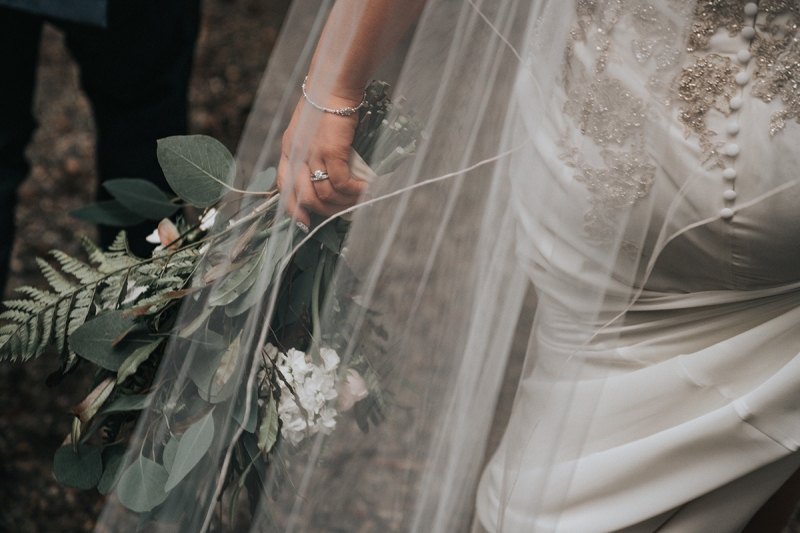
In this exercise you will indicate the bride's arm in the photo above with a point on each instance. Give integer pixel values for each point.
(381, 24)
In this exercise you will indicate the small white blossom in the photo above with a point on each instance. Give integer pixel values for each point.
(330, 359)
(207, 222)
(153, 238)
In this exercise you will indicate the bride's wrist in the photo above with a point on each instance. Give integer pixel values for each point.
(341, 100)
(342, 103)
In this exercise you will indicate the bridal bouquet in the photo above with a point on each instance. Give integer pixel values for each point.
(117, 312)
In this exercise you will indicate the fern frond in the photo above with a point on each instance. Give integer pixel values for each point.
(83, 272)
(96, 256)
(62, 316)
(115, 259)
(120, 244)
(13, 315)
(81, 290)
(28, 306)
(54, 278)
(39, 296)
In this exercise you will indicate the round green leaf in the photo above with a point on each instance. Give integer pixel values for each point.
(141, 197)
(109, 339)
(81, 470)
(198, 168)
(141, 486)
(192, 447)
(109, 213)
(112, 468)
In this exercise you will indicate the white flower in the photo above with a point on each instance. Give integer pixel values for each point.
(207, 222)
(314, 388)
(326, 422)
(353, 389)
(330, 359)
(167, 233)
(153, 238)
(295, 362)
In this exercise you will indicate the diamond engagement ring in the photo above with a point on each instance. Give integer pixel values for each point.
(319, 175)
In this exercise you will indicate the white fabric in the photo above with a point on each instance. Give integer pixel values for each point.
(692, 402)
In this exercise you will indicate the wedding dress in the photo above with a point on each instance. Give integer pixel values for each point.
(635, 160)
(693, 395)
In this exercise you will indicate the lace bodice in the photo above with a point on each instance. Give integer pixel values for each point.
(670, 125)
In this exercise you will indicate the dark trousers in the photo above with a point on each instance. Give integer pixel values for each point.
(135, 73)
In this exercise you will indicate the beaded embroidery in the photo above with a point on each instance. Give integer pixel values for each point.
(707, 84)
(776, 49)
(711, 15)
(626, 179)
(605, 110)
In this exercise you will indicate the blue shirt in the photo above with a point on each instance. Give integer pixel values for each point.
(84, 11)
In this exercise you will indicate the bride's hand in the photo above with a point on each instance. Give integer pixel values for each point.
(329, 151)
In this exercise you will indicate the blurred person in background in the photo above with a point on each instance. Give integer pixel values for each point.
(135, 59)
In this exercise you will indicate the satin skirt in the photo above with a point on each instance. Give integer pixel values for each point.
(684, 418)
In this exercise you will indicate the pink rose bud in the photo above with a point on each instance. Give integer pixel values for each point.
(168, 233)
(351, 390)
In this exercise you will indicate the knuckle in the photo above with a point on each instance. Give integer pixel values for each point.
(325, 195)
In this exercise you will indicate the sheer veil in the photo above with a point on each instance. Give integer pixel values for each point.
(440, 257)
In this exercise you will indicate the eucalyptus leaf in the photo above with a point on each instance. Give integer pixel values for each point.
(141, 486)
(112, 468)
(307, 256)
(109, 213)
(134, 402)
(170, 451)
(195, 324)
(193, 446)
(130, 365)
(141, 197)
(268, 429)
(239, 280)
(239, 411)
(264, 277)
(250, 444)
(86, 410)
(98, 340)
(198, 168)
(211, 368)
(329, 238)
(228, 363)
(81, 470)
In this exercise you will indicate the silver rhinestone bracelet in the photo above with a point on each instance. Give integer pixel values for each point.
(343, 112)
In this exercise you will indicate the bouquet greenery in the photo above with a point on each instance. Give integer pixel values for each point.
(117, 312)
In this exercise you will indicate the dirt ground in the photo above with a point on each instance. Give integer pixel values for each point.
(234, 45)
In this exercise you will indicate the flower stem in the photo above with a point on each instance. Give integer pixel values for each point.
(316, 328)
